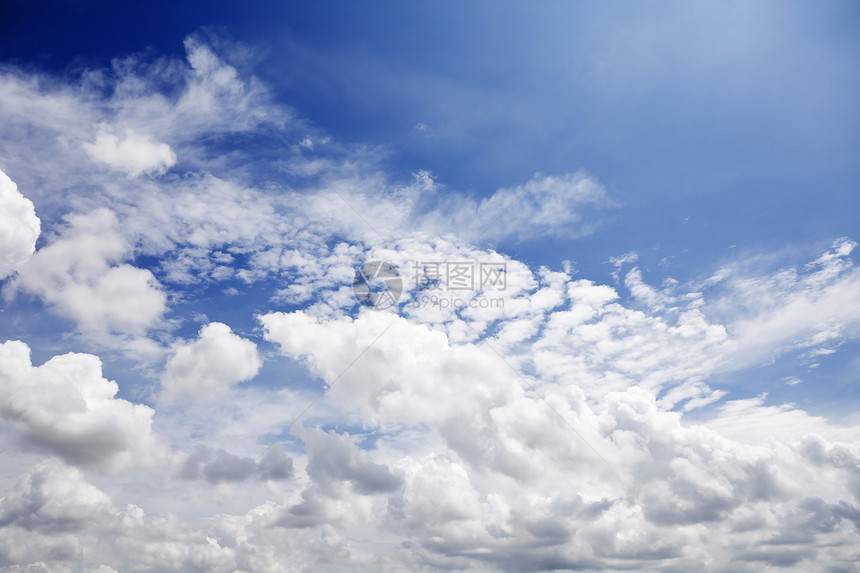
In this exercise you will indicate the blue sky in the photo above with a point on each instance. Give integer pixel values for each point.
(721, 133)
(187, 189)
(701, 112)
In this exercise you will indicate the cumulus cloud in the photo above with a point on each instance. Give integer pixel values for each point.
(19, 227)
(275, 465)
(464, 497)
(145, 112)
(66, 406)
(200, 369)
(345, 485)
(440, 374)
(54, 519)
(54, 498)
(82, 276)
(227, 467)
(134, 154)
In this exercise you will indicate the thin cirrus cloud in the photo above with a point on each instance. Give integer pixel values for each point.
(576, 426)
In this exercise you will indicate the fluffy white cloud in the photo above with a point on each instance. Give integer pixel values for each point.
(201, 369)
(81, 275)
(19, 227)
(563, 206)
(66, 407)
(54, 496)
(440, 375)
(134, 154)
(763, 309)
(153, 112)
(671, 491)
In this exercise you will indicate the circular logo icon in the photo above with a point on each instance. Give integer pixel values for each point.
(377, 285)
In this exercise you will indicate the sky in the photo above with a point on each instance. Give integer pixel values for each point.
(452, 286)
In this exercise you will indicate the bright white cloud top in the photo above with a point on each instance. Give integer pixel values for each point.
(82, 275)
(19, 227)
(250, 416)
(132, 153)
(211, 364)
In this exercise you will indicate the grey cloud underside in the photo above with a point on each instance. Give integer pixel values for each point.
(223, 466)
(333, 458)
(66, 407)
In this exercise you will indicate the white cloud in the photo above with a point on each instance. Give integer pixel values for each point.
(19, 227)
(54, 520)
(53, 495)
(439, 374)
(203, 368)
(133, 154)
(625, 259)
(159, 110)
(750, 420)
(672, 491)
(66, 407)
(563, 206)
(135, 118)
(769, 314)
(81, 275)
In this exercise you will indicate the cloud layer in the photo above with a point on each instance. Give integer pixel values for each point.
(574, 425)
